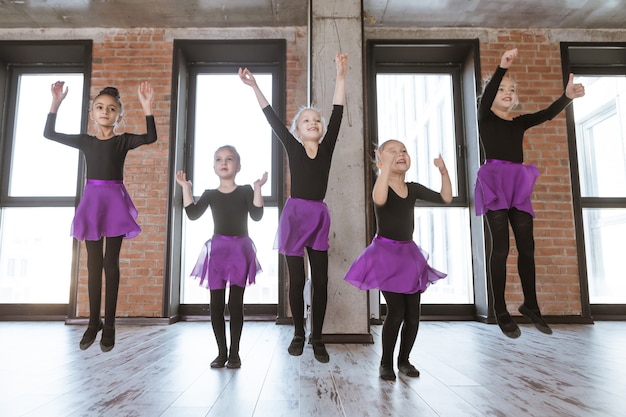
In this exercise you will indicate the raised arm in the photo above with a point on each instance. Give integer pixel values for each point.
(491, 89)
(58, 95)
(446, 185)
(248, 79)
(146, 95)
(341, 60)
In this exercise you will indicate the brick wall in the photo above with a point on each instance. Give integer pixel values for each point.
(125, 57)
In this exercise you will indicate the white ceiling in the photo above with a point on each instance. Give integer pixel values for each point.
(587, 14)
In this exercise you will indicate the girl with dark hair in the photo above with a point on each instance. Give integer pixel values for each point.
(106, 213)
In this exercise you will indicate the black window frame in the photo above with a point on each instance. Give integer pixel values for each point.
(40, 57)
(193, 57)
(460, 59)
(590, 58)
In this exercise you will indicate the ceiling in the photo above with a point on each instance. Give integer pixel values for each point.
(582, 14)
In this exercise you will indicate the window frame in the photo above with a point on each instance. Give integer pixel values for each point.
(590, 58)
(192, 57)
(460, 59)
(40, 57)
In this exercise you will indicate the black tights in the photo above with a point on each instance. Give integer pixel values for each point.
(99, 258)
(235, 307)
(402, 310)
(522, 225)
(319, 290)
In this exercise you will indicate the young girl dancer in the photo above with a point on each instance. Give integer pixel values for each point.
(105, 210)
(229, 257)
(305, 220)
(393, 263)
(504, 187)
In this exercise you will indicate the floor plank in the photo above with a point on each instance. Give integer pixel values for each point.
(467, 369)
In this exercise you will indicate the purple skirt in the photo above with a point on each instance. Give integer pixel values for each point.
(392, 265)
(504, 185)
(106, 209)
(225, 261)
(303, 223)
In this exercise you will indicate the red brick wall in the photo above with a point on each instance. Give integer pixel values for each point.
(124, 58)
(537, 71)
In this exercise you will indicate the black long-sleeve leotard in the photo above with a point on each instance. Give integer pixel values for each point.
(309, 176)
(502, 139)
(395, 219)
(230, 210)
(104, 158)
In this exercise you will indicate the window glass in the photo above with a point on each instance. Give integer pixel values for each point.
(41, 167)
(418, 110)
(35, 255)
(601, 147)
(601, 136)
(604, 236)
(224, 118)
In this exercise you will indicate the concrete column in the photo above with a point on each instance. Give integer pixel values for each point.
(337, 26)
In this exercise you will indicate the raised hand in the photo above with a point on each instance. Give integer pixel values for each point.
(261, 181)
(146, 95)
(181, 179)
(58, 95)
(440, 164)
(572, 90)
(341, 60)
(246, 76)
(507, 58)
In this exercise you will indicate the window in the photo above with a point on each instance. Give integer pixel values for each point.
(233, 119)
(597, 138)
(39, 179)
(418, 99)
(215, 108)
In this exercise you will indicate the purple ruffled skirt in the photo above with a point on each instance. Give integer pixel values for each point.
(391, 265)
(106, 209)
(303, 223)
(504, 185)
(225, 261)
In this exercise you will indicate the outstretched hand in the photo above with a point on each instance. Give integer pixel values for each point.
(181, 179)
(146, 95)
(58, 93)
(261, 181)
(246, 76)
(507, 58)
(441, 165)
(341, 60)
(145, 92)
(572, 90)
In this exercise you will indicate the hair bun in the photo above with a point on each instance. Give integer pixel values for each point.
(111, 91)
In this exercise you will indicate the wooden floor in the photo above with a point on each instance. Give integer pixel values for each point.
(467, 369)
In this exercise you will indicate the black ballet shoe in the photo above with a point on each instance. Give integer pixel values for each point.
(234, 362)
(386, 372)
(535, 317)
(90, 335)
(219, 362)
(407, 369)
(296, 347)
(319, 351)
(508, 326)
(108, 338)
